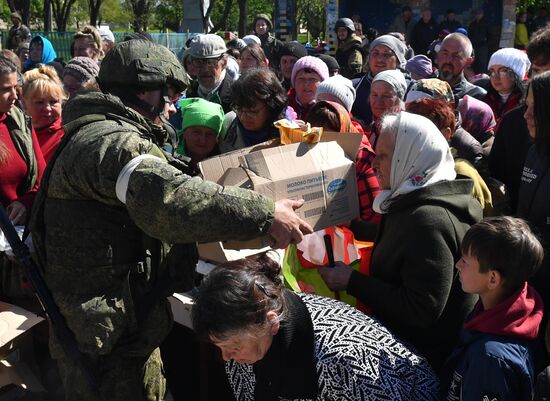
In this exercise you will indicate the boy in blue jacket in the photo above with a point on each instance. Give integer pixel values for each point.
(495, 357)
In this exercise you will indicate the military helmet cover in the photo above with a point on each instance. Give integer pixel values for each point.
(140, 64)
(264, 17)
(345, 23)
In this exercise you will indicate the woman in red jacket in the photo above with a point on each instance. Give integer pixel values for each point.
(21, 167)
(43, 96)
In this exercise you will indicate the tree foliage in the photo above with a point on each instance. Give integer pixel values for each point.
(168, 15)
(311, 15)
(113, 12)
(522, 5)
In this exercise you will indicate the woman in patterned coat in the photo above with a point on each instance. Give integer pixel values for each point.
(279, 345)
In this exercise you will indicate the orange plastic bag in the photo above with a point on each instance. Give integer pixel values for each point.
(300, 263)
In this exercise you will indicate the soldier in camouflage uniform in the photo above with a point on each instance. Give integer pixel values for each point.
(116, 221)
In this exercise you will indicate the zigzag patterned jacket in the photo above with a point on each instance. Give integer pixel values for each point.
(327, 350)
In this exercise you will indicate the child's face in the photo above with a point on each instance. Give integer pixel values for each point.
(473, 281)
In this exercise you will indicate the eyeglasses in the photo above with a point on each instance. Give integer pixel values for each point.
(503, 72)
(310, 81)
(383, 55)
(247, 112)
(203, 62)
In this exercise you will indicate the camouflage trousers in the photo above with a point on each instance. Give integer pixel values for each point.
(120, 378)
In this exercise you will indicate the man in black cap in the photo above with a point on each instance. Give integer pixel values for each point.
(289, 53)
(332, 64)
(271, 46)
(18, 33)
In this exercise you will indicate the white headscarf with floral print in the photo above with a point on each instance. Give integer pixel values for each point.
(421, 157)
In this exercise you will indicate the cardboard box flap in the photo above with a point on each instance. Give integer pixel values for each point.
(236, 177)
(14, 321)
(213, 169)
(295, 160)
(349, 141)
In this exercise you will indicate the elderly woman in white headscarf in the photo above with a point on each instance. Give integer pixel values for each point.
(412, 286)
(386, 96)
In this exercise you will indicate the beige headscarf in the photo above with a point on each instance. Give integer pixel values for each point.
(421, 157)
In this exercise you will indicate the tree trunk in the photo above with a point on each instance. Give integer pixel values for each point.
(94, 6)
(141, 10)
(47, 15)
(221, 23)
(243, 16)
(62, 11)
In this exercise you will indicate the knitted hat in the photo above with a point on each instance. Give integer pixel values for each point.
(249, 39)
(207, 46)
(339, 86)
(293, 48)
(395, 78)
(312, 63)
(431, 88)
(199, 112)
(331, 62)
(420, 65)
(81, 68)
(514, 59)
(392, 43)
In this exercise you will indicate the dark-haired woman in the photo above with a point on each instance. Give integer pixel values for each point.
(258, 100)
(252, 56)
(281, 345)
(534, 190)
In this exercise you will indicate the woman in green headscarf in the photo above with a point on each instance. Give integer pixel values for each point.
(201, 125)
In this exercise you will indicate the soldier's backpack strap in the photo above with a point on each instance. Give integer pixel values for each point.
(36, 222)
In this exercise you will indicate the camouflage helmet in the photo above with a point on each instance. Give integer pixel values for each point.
(139, 65)
(344, 23)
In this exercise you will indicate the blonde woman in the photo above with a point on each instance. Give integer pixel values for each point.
(88, 43)
(43, 96)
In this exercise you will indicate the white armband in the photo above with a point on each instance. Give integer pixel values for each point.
(124, 176)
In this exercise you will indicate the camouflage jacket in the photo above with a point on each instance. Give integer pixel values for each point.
(104, 260)
(350, 56)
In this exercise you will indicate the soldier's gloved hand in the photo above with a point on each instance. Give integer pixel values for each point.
(287, 227)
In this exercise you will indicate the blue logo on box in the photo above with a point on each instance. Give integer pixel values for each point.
(336, 185)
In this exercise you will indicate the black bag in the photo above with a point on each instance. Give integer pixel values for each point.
(542, 386)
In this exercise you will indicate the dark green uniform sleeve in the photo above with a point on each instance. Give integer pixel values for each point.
(172, 206)
(164, 202)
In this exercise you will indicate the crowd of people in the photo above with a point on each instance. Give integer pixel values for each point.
(100, 158)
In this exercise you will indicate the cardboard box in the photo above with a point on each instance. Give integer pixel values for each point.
(322, 174)
(15, 326)
(182, 305)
